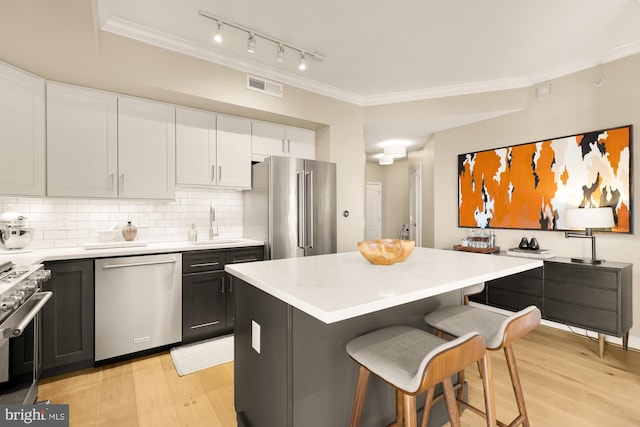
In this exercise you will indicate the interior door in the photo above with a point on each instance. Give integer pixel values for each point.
(373, 213)
(415, 205)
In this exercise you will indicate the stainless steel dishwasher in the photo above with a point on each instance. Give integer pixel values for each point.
(138, 303)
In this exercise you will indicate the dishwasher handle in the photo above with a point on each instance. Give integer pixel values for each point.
(139, 264)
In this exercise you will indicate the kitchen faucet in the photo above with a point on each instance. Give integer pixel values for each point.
(212, 219)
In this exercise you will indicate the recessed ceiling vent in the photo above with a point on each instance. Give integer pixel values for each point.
(263, 85)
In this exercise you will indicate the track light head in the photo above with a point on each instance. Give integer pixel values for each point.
(303, 63)
(280, 54)
(251, 44)
(218, 36)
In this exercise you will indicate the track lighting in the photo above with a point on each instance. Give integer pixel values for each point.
(251, 41)
(218, 36)
(251, 44)
(280, 54)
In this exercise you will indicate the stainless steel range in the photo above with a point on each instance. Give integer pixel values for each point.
(21, 300)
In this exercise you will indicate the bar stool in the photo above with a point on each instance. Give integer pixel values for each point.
(413, 361)
(472, 290)
(498, 331)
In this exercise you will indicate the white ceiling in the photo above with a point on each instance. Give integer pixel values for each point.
(382, 52)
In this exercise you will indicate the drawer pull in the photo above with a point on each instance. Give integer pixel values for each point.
(203, 325)
(204, 264)
(244, 260)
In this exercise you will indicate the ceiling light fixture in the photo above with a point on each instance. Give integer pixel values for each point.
(280, 54)
(385, 160)
(396, 151)
(218, 36)
(251, 43)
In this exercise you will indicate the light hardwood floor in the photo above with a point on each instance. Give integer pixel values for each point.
(565, 384)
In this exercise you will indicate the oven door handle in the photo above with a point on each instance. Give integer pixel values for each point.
(23, 320)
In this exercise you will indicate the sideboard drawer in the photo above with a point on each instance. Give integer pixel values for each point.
(595, 277)
(519, 283)
(514, 301)
(577, 293)
(581, 316)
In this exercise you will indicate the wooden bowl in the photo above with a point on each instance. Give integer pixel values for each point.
(386, 251)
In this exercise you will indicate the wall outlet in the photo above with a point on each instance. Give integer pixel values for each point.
(255, 336)
(63, 222)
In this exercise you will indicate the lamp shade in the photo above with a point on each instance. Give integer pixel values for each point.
(589, 218)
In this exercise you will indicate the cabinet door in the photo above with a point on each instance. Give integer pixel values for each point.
(267, 139)
(82, 142)
(22, 133)
(234, 152)
(300, 143)
(203, 304)
(68, 317)
(146, 149)
(195, 147)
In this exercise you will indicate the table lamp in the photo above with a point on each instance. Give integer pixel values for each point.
(588, 218)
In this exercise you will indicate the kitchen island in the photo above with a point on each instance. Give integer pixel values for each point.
(295, 316)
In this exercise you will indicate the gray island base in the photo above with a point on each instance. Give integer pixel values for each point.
(294, 318)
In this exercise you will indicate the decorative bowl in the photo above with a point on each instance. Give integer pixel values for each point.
(386, 251)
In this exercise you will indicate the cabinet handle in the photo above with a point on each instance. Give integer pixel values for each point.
(283, 145)
(219, 173)
(202, 325)
(112, 182)
(213, 173)
(288, 146)
(222, 286)
(204, 264)
(122, 182)
(237, 260)
(230, 287)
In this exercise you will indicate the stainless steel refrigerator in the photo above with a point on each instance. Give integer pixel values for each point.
(292, 207)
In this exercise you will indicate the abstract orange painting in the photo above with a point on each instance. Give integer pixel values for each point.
(529, 186)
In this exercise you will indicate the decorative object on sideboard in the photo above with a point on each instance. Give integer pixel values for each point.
(588, 218)
(129, 231)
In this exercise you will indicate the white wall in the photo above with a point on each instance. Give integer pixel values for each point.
(575, 105)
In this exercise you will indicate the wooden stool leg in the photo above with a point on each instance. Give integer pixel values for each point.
(601, 342)
(515, 382)
(428, 401)
(410, 416)
(358, 400)
(487, 385)
(625, 341)
(460, 392)
(399, 410)
(450, 401)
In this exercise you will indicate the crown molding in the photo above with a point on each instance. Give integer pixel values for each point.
(163, 40)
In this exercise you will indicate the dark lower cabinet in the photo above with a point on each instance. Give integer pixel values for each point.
(208, 297)
(594, 297)
(68, 317)
(203, 305)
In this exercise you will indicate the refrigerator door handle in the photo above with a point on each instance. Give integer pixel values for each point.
(301, 204)
(309, 211)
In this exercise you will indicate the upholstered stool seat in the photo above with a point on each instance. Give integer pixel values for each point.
(413, 361)
(498, 331)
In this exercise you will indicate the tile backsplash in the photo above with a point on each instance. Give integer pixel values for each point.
(59, 222)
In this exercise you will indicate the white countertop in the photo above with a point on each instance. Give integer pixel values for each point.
(341, 286)
(38, 256)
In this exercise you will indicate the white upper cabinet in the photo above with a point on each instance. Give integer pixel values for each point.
(212, 150)
(271, 139)
(146, 149)
(82, 142)
(22, 132)
(233, 151)
(195, 147)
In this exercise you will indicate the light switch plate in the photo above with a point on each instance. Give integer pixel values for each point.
(255, 336)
